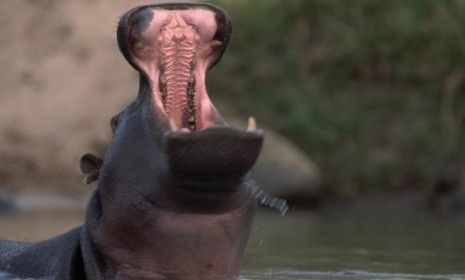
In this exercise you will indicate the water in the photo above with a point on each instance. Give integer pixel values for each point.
(307, 245)
(304, 246)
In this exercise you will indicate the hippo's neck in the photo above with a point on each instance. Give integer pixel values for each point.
(167, 245)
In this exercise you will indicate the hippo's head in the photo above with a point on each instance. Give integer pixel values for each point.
(171, 199)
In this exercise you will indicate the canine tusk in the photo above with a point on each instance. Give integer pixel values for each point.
(251, 125)
(173, 125)
(215, 43)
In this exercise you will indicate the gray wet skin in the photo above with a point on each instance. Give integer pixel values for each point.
(172, 200)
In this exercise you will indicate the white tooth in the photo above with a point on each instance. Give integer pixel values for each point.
(184, 130)
(215, 43)
(139, 45)
(252, 124)
(173, 125)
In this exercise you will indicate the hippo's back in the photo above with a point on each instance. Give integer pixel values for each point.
(9, 249)
(55, 258)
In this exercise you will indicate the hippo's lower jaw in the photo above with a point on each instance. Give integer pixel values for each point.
(212, 155)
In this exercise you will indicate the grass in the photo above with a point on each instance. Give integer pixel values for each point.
(372, 90)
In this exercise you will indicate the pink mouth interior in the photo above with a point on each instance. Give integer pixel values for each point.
(175, 50)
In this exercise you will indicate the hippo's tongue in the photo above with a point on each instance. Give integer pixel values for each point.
(174, 49)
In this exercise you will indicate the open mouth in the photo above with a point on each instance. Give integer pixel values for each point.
(174, 45)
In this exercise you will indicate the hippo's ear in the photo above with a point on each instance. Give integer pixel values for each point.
(91, 165)
(114, 121)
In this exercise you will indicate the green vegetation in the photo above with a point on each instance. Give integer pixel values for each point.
(372, 90)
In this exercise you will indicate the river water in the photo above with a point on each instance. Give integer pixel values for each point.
(316, 245)
(359, 245)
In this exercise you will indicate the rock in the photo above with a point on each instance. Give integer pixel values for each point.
(6, 203)
(447, 195)
(283, 169)
(458, 203)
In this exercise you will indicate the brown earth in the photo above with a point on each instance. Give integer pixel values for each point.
(62, 79)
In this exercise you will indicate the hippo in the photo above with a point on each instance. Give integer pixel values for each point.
(175, 197)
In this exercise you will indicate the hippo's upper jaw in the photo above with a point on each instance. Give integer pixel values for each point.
(173, 46)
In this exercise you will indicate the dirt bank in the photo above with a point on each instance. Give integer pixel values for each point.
(63, 78)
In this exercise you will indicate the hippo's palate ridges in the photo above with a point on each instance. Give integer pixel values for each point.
(174, 50)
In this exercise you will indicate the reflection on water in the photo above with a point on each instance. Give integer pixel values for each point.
(315, 245)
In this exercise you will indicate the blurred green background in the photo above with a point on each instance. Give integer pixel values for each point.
(373, 91)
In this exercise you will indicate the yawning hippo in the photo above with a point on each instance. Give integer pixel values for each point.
(175, 198)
